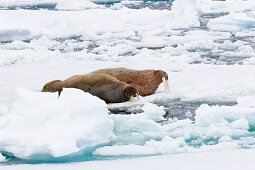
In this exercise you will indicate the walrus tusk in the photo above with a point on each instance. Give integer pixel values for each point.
(164, 81)
(137, 95)
(132, 98)
(166, 85)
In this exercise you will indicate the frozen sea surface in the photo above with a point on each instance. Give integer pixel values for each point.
(206, 47)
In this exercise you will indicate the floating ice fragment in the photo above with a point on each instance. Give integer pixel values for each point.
(166, 145)
(153, 112)
(2, 158)
(225, 139)
(185, 14)
(14, 34)
(240, 124)
(77, 5)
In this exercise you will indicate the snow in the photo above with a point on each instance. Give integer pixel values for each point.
(211, 122)
(153, 112)
(76, 5)
(42, 123)
(233, 22)
(233, 159)
(166, 145)
(37, 46)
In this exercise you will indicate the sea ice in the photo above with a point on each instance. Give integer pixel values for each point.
(165, 146)
(82, 36)
(42, 123)
(2, 158)
(222, 125)
(77, 5)
(233, 22)
(153, 112)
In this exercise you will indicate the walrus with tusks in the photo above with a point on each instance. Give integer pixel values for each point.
(146, 81)
(106, 87)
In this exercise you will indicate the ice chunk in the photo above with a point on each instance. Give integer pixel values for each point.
(166, 145)
(77, 5)
(233, 22)
(26, 3)
(2, 158)
(225, 139)
(247, 101)
(240, 124)
(199, 45)
(42, 123)
(135, 129)
(185, 14)
(153, 112)
(14, 34)
(223, 7)
(204, 117)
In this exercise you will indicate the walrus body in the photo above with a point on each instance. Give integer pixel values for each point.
(146, 81)
(103, 86)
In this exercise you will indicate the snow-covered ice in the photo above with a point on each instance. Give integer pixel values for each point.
(206, 47)
(42, 123)
(235, 160)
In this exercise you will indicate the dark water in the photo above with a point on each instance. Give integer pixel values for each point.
(48, 6)
(175, 109)
(152, 4)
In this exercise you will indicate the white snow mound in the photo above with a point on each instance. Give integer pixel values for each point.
(42, 123)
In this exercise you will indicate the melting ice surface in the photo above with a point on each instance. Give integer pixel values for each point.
(40, 127)
(206, 47)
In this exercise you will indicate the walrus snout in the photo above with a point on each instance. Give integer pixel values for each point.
(130, 92)
(162, 74)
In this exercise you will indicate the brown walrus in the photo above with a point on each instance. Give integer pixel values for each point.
(146, 81)
(106, 87)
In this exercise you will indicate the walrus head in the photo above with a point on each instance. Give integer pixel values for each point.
(164, 77)
(52, 87)
(130, 92)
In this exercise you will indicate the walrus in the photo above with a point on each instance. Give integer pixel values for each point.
(146, 81)
(106, 87)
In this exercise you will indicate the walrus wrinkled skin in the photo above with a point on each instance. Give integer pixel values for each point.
(106, 87)
(146, 81)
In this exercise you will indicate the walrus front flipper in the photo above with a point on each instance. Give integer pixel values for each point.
(59, 92)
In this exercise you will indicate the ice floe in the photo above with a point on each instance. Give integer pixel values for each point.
(42, 123)
(77, 5)
(224, 124)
